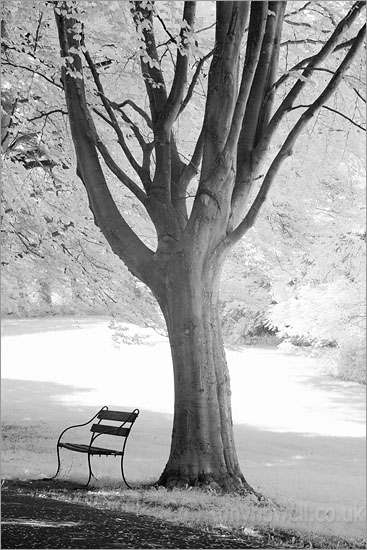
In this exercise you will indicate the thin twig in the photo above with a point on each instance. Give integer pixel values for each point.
(32, 71)
(344, 116)
(194, 81)
(48, 114)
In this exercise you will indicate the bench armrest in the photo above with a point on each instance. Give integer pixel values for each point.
(80, 425)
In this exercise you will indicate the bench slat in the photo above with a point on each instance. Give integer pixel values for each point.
(110, 430)
(80, 448)
(120, 416)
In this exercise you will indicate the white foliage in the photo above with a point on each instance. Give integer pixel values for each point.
(331, 312)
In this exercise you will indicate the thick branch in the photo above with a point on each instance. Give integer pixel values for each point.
(268, 101)
(286, 149)
(259, 101)
(330, 45)
(157, 94)
(258, 17)
(192, 168)
(175, 97)
(151, 70)
(122, 239)
(120, 136)
(223, 79)
(301, 64)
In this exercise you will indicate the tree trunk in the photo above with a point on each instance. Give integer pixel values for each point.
(45, 295)
(202, 448)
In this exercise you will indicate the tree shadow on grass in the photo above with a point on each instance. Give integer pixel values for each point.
(25, 400)
(294, 464)
(34, 414)
(18, 327)
(343, 393)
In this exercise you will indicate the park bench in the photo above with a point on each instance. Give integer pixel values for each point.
(103, 427)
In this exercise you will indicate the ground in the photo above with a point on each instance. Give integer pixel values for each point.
(299, 433)
(31, 522)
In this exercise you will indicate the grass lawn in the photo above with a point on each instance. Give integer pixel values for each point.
(314, 483)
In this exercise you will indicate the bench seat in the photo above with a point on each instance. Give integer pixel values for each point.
(80, 448)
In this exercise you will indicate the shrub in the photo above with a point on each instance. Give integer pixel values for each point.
(351, 361)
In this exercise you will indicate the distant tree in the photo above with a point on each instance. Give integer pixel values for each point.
(200, 206)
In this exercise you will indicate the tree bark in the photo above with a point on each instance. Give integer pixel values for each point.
(45, 295)
(202, 448)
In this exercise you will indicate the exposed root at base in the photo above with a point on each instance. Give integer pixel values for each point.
(235, 485)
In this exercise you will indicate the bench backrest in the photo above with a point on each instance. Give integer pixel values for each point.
(126, 420)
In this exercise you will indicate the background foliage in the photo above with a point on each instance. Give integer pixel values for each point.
(299, 275)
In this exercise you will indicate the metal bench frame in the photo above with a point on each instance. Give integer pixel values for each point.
(127, 420)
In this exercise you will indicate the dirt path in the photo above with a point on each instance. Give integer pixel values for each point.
(34, 522)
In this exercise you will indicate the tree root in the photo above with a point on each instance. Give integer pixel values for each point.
(221, 484)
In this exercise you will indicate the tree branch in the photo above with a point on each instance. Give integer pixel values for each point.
(295, 24)
(344, 116)
(173, 104)
(194, 81)
(223, 80)
(27, 246)
(115, 169)
(39, 22)
(301, 64)
(48, 114)
(286, 149)
(25, 68)
(140, 111)
(122, 239)
(192, 168)
(172, 38)
(303, 41)
(330, 45)
(333, 111)
(145, 147)
(296, 12)
(258, 17)
(157, 94)
(136, 130)
(151, 70)
(359, 95)
(107, 105)
(260, 100)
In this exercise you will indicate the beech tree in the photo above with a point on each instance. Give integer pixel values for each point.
(200, 206)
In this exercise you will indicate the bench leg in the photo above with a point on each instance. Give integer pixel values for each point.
(90, 470)
(58, 466)
(122, 472)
